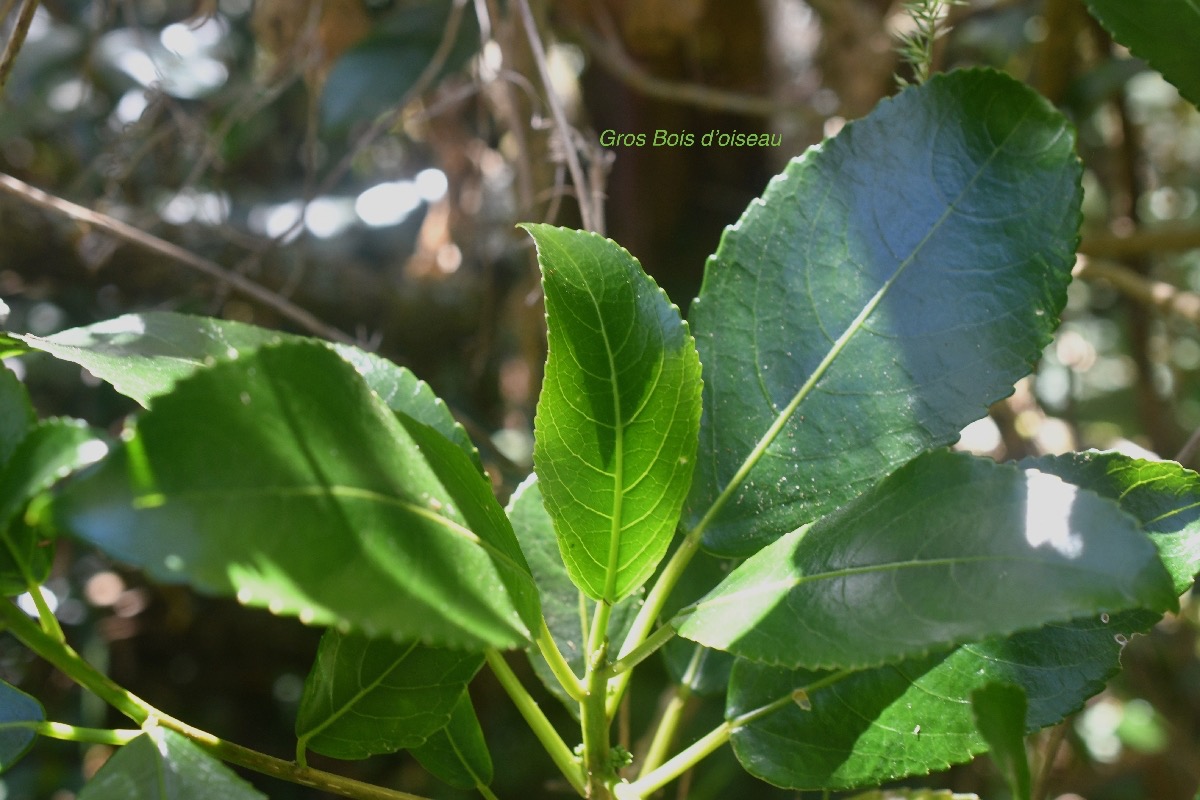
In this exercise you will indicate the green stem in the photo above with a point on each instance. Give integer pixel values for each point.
(73, 666)
(558, 664)
(681, 763)
(46, 617)
(643, 651)
(668, 721)
(563, 758)
(74, 733)
(593, 711)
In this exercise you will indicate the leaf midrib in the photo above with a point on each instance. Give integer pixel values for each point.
(783, 417)
(891, 566)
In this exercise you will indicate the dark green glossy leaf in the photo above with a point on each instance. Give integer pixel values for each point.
(458, 754)
(16, 413)
(17, 712)
(860, 723)
(1162, 495)
(1164, 32)
(283, 479)
(618, 415)
(889, 286)
(376, 74)
(50, 451)
(999, 710)
(369, 696)
(948, 549)
(567, 610)
(163, 765)
(144, 355)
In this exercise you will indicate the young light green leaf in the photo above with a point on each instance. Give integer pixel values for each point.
(369, 696)
(281, 478)
(887, 288)
(16, 413)
(619, 412)
(163, 765)
(17, 711)
(458, 754)
(567, 610)
(1163, 32)
(50, 451)
(999, 710)
(948, 549)
(144, 355)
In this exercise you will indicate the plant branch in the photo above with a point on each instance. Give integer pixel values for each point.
(74, 733)
(73, 666)
(593, 711)
(587, 213)
(563, 758)
(643, 651)
(1142, 241)
(609, 53)
(1156, 294)
(146, 241)
(676, 766)
(16, 39)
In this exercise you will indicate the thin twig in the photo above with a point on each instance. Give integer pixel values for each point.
(16, 39)
(583, 191)
(379, 127)
(146, 241)
(610, 55)
(1157, 294)
(1163, 239)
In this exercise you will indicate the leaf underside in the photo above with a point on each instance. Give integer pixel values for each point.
(458, 754)
(618, 414)
(567, 610)
(369, 696)
(17, 709)
(888, 287)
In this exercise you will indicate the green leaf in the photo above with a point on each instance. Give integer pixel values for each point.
(163, 765)
(888, 287)
(1162, 495)
(144, 355)
(619, 412)
(50, 451)
(999, 710)
(458, 754)
(283, 479)
(18, 711)
(369, 696)
(374, 75)
(913, 794)
(948, 549)
(568, 611)
(1164, 32)
(859, 723)
(16, 413)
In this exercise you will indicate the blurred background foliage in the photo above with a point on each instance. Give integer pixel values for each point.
(367, 160)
